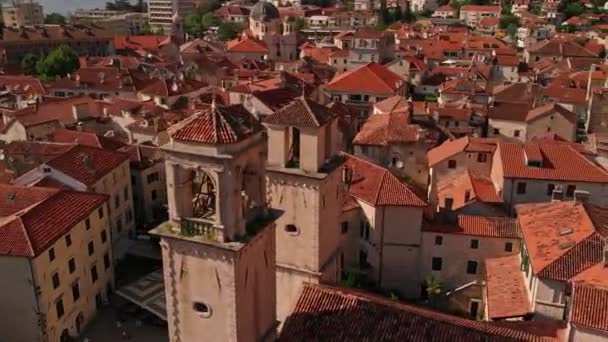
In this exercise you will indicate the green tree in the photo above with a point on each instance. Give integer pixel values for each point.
(209, 20)
(209, 6)
(300, 24)
(508, 20)
(385, 14)
(227, 31)
(396, 14)
(433, 289)
(59, 62)
(147, 30)
(408, 16)
(511, 30)
(573, 9)
(193, 25)
(28, 64)
(55, 19)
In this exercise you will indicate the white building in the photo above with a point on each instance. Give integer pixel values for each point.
(165, 14)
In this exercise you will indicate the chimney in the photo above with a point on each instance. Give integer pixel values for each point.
(581, 196)
(80, 111)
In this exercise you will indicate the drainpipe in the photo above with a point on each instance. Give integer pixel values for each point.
(380, 269)
(43, 336)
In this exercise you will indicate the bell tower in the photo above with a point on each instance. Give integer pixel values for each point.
(305, 183)
(219, 243)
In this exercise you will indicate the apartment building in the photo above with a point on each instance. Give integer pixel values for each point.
(89, 40)
(166, 15)
(126, 24)
(55, 262)
(473, 14)
(93, 15)
(86, 168)
(19, 13)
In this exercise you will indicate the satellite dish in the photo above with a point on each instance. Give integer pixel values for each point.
(399, 164)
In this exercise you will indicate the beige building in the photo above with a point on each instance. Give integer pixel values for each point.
(126, 24)
(85, 168)
(55, 262)
(166, 15)
(472, 14)
(380, 228)
(544, 170)
(564, 244)
(305, 182)
(524, 122)
(455, 255)
(219, 243)
(22, 13)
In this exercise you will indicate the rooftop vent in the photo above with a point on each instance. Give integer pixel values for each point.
(565, 231)
(567, 244)
(11, 196)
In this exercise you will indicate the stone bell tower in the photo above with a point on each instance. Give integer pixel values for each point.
(305, 183)
(219, 243)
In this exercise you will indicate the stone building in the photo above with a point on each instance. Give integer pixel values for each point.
(305, 181)
(218, 246)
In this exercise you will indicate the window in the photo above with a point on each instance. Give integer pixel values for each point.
(100, 212)
(509, 247)
(87, 224)
(51, 254)
(451, 164)
(94, 275)
(75, 291)
(68, 240)
(467, 195)
(128, 215)
(344, 227)
(59, 308)
(496, 131)
(438, 240)
(126, 193)
(481, 157)
(153, 177)
(106, 261)
(364, 229)
(516, 133)
(474, 244)
(91, 248)
(363, 259)
(474, 308)
(55, 279)
(202, 309)
(550, 188)
(118, 224)
(448, 202)
(472, 267)
(570, 190)
(291, 229)
(521, 188)
(153, 195)
(116, 201)
(104, 236)
(437, 263)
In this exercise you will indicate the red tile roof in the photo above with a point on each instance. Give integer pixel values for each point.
(395, 103)
(563, 48)
(507, 293)
(480, 8)
(147, 43)
(452, 147)
(561, 238)
(559, 162)
(371, 78)
(55, 33)
(463, 183)
(387, 129)
(324, 313)
(23, 85)
(34, 218)
(246, 45)
(87, 164)
(499, 227)
(86, 138)
(590, 307)
(377, 186)
(302, 113)
(219, 125)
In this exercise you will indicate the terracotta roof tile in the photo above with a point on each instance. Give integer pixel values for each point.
(377, 186)
(465, 187)
(370, 78)
(590, 307)
(395, 103)
(507, 294)
(480, 8)
(219, 125)
(559, 162)
(500, 227)
(34, 218)
(387, 129)
(147, 43)
(561, 238)
(54, 33)
(324, 313)
(87, 164)
(61, 135)
(246, 44)
(450, 148)
(302, 113)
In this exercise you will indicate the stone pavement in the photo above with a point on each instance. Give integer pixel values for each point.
(103, 329)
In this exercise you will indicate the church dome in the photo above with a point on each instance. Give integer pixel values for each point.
(263, 11)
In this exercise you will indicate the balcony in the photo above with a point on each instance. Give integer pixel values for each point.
(201, 227)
